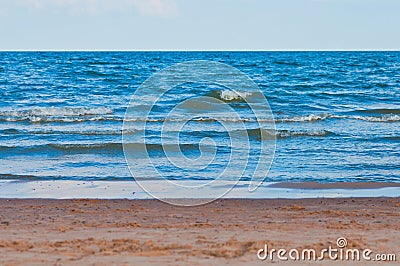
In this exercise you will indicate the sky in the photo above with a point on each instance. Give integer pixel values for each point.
(199, 25)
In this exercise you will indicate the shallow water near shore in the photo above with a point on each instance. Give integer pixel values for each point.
(73, 189)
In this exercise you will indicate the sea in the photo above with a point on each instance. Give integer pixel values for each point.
(336, 116)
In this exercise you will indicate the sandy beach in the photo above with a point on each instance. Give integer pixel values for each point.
(227, 231)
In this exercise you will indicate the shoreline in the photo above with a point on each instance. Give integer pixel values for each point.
(66, 189)
(227, 231)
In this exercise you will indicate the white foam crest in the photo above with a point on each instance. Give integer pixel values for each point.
(47, 119)
(36, 113)
(383, 118)
(228, 95)
(199, 119)
(312, 133)
(305, 118)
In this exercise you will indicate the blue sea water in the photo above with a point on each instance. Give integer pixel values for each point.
(337, 113)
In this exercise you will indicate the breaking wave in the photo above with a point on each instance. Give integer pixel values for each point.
(231, 96)
(54, 114)
(322, 117)
(12, 131)
(382, 118)
(387, 118)
(58, 111)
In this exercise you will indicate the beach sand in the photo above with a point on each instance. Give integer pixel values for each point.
(227, 231)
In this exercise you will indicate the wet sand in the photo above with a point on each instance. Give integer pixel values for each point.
(336, 185)
(228, 231)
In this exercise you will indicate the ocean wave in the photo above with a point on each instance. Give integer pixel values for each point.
(117, 147)
(102, 148)
(67, 147)
(81, 115)
(158, 147)
(269, 134)
(231, 96)
(288, 119)
(116, 132)
(259, 134)
(55, 114)
(321, 117)
(195, 119)
(85, 147)
(283, 134)
(10, 131)
(40, 119)
(306, 118)
(383, 118)
(57, 111)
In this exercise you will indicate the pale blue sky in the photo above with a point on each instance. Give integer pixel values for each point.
(199, 25)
